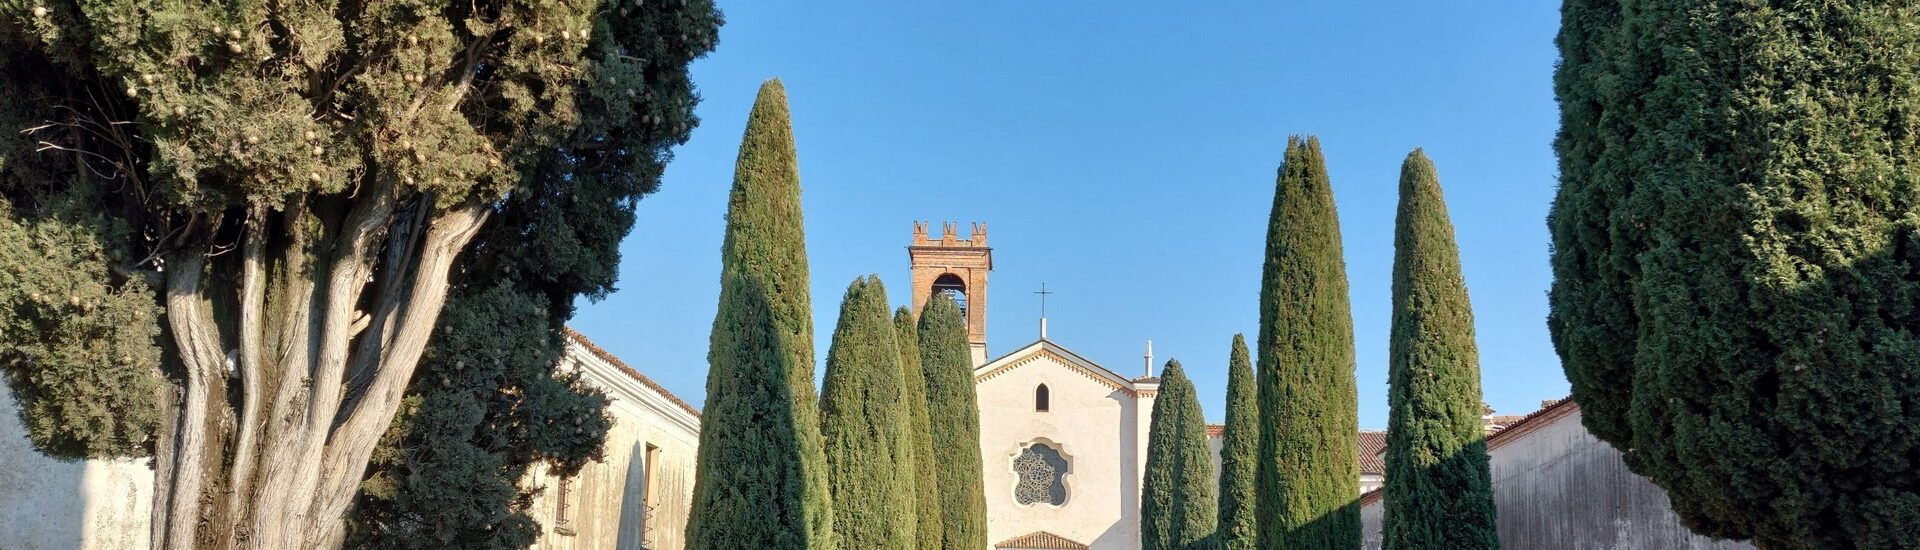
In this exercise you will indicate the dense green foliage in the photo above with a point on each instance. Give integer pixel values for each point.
(485, 404)
(954, 423)
(1176, 500)
(864, 423)
(1308, 401)
(1238, 524)
(78, 349)
(1439, 493)
(1737, 282)
(925, 464)
(761, 478)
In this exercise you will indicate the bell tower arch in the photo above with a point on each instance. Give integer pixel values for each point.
(958, 266)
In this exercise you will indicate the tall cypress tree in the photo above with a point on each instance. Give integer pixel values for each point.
(1238, 528)
(1439, 493)
(926, 486)
(864, 423)
(1734, 258)
(760, 481)
(954, 423)
(1177, 504)
(1309, 472)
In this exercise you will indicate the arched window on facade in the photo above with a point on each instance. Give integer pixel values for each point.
(1040, 398)
(951, 285)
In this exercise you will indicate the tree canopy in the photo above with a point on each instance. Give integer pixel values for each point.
(1439, 491)
(1176, 497)
(1734, 273)
(953, 411)
(864, 423)
(1308, 398)
(761, 477)
(287, 191)
(1239, 495)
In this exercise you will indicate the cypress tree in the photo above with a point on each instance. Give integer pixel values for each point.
(864, 423)
(1239, 529)
(760, 479)
(1439, 493)
(1309, 472)
(1177, 505)
(926, 487)
(954, 423)
(1735, 269)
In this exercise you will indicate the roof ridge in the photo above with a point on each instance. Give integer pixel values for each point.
(632, 372)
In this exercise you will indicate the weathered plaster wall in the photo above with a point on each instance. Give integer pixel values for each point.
(48, 504)
(1558, 487)
(605, 509)
(1095, 426)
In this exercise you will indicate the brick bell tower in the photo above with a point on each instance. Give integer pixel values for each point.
(951, 264)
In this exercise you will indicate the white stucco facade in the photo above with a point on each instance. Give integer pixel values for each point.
(1095, 418)
(638, 494)
(51, 504)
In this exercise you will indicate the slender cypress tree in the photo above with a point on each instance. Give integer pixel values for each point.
(954, 423)
(760, 480)
(863, 424)
(1309, 496)
(1735, 263)
(1439, 493)
(1238, 528)
(926, 485)
(1177, 505)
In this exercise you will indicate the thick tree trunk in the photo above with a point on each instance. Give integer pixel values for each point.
(318, 369)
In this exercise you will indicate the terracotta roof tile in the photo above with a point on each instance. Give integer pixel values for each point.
(1372, 449)
(1216, 430)
(648, 382)
(1040, 540)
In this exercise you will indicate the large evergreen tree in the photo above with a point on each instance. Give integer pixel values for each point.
(926, 474)
(1734, 257)
(864, 423)
(485, 404)
(1177, 503)
(954, 423)
(1238, 525)
(1439, 493)
(1309, 496)
(761, 478)
(291, 191)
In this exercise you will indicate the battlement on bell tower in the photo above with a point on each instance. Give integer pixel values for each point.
(949, 235)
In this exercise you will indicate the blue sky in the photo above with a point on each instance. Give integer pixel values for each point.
(1124, 154)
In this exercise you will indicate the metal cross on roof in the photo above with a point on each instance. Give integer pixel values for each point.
(1043, 292)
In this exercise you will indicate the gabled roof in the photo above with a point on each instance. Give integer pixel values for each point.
(1046, 348)
(1040, 540)
(630, 371)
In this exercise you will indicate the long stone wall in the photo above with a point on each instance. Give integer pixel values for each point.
(50, 504)
(1559, 487)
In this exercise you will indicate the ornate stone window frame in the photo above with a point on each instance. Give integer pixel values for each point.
(1066, 478)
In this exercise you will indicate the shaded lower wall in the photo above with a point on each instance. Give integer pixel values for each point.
(1558, 487)
(49, 504)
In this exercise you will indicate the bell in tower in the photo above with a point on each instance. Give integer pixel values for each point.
(958, 268)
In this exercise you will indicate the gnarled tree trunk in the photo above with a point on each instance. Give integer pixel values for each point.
(329, 322)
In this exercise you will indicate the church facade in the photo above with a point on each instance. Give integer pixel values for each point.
(1063, 440)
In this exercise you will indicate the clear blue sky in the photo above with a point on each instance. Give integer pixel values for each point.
(1124, 154)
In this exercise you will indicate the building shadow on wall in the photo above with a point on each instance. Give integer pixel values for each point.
(633, 501)
(43, 500)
